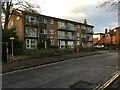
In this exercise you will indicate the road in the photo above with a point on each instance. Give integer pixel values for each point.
(93, 69)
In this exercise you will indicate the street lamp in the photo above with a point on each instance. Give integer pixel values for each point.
(12, 38)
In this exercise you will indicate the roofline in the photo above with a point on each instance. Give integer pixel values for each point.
(116, 27)
(99, 33)
(55, 18)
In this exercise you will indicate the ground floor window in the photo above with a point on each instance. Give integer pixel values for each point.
(61, 44)
(31, 43)
(89, 44)
(70, 44)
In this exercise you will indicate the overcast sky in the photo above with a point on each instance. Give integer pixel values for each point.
(78, 10)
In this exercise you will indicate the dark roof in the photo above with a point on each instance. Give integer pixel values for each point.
(99, 33)
(55, 18)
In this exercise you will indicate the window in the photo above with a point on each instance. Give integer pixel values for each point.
(71, 44)
(31, 32)
(61, 44)
(78, 42)
(30, 19)
(70, 26)
(83, 27)
(87, 37)
(31, 43)
(51, 31)
(70, 35)
(51, 42)
(51, 21)
(61, 25)
(83, 35)
(78, 26)
(43, 31)
(45, 20)
(61, 34)
(78, 34)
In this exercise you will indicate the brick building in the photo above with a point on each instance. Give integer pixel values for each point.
(34, 28)
(110, 39)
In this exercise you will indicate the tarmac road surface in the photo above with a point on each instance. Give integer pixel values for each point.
(92, 69)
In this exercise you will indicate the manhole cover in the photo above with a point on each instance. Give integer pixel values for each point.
(82, 84)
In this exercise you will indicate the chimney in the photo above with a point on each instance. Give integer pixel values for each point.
(106, 31)
(85, 21)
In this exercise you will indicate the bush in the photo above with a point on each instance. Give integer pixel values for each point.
(41, 45)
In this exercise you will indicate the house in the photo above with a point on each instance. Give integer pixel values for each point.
(97, 37)
(110, 39)
(34, 29)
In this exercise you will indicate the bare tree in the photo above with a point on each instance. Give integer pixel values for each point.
(112, 4)
(8, 6)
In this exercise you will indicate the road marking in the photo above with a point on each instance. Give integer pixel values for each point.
(107, 82)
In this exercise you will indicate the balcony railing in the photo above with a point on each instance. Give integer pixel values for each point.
(66, 37)
(31, 35)
(66, 28)
(33, 23)
(90, 31)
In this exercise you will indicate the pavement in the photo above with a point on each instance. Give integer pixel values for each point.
(26, 63)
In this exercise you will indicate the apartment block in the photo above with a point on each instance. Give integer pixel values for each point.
(34, 28)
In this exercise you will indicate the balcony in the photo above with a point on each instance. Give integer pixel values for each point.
(89, 31)
(66, 37)
(67, 28)
(83, 39)
(32, 35)
(32, 23)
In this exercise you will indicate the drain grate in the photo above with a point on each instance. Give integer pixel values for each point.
(82, 84)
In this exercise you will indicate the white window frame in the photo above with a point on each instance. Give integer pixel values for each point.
(45, 20)
(51, 31)
(51, 42)
(78, 42)
(29, 43)
(51, 21)
(32, 32)
(78, 34)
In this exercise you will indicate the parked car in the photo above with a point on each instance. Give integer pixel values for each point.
(99, 46)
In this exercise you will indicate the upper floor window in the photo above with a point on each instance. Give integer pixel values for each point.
(78, 26)
(61, 25)
(78, 42)
(45, 20)
(78, 34)
(51, 21)
(61, 34)
(51, 31)
(83, 27)
(31, 32)
(83, 35)
(71, 26)
(43, 31)
(30, 19)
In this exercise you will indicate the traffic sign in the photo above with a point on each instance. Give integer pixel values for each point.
(12, 38)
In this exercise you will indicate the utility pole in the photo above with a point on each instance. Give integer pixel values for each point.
(7, 51)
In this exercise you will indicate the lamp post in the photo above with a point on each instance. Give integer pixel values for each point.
(12, 38)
